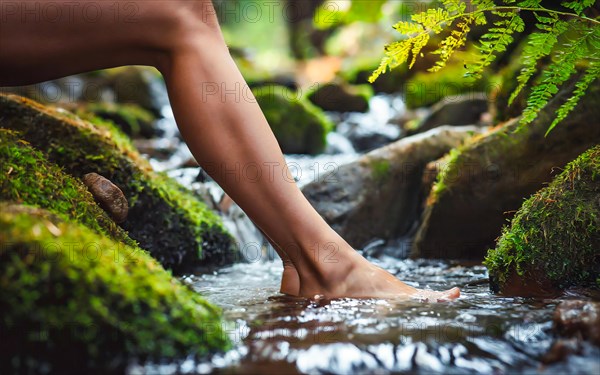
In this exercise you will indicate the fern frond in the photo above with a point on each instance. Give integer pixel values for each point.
(561, 68)
(496, 40)
(590, 75)
(530, 3)
(431, 18)
(578, 6)
(452, 43)
(540, 44)
(395, 54)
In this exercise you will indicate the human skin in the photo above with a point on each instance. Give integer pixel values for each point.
(225, 132)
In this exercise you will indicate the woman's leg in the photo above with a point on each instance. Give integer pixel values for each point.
(219, 119)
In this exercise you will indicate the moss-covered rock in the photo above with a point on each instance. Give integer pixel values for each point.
(486, 180)
(27, 177)
(164, 218)
(425, 88)
(341, 97)
(132, 119)
(553, 241)
(140, 85)
(72, 300)
(378, 195)
(299, 126)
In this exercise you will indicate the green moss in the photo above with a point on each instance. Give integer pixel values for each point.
(555, 236)
(130, 118)
(163, 218)
(299, 126)
(493, 144)
(425, 88)
(380, 169)
(27, 177)
(73, 300)
(451, 165)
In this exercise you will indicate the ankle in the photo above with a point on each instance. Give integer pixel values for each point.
(330, 276)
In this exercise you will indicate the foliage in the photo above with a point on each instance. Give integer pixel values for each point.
(569, 38)
(333, 13)
(72, 300)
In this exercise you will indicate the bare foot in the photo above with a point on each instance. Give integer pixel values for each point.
(290, 281)
(358, 278)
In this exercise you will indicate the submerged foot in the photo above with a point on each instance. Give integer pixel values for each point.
(362, 279)
(290, 281)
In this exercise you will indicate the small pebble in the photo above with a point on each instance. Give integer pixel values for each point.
(108, 195)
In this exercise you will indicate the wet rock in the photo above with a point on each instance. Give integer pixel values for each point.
(341, 98)
(466, 109)
(164, 218)
(579, 319)
(378, 195)
(74, 301)
(561, 349)
(108, 195)
(365, 140)
(490, 176)
(299, 126)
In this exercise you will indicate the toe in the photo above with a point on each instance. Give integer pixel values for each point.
(452, 293)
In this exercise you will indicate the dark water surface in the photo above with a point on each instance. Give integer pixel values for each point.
(479, 333)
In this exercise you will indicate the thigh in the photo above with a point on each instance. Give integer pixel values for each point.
(40, 40)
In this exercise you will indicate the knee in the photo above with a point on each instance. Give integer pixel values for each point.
(188, 25)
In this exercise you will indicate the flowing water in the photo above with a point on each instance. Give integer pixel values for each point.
(479, 333)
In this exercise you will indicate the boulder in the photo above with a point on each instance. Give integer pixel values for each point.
(490, 176)
(553, 242)
(27, 177)
(464, 109)
(578, 318)
(164, 217)
(139, 85)
(132, 119)
(341, 97)
(74, 301)
(378, 195)
(299, 126)
(425, 88)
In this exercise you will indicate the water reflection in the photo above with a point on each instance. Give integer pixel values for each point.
(478, 333)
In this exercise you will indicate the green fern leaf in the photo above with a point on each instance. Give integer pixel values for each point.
(453, 42)
(561, 68)
(590, 75)
(540, 44)
(496, 40)
(578, 6)
(530, 3)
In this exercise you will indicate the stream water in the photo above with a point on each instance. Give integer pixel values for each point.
(479, 333)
